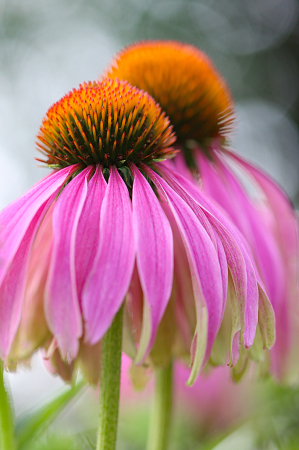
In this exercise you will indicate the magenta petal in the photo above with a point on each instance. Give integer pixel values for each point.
(154, 253)
(215, 186)
(286, 221)
(12, 287)
(61, 299)
(16, 217)
(19, 223)
(253, 227)
(285, 229)
(88, 230)
(109, 281)
(224, 271)
(204, 266)
(237, 253)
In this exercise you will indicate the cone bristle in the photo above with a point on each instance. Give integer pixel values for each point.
(110, 122)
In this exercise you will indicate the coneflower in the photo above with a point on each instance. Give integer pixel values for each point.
(110, 225)
(199, 104)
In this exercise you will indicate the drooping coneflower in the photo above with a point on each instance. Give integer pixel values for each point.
(112, 224)
(199, 104)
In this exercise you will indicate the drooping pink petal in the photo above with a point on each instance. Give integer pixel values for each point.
(33, 329)
(154, 253)
(88, 230)
(181, 166)
(109, 280)
(284, 227)
(237, 254)
(19, 223)
(61, 298)
(214, 185)
(224, 270)
(286, 221)
(133, 315)
(16, 217)
(183, 288)
(232, 197)
(205, 272)
(12, 288)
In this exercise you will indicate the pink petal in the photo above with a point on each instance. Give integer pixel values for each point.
(237, 253)
(224, 271)
(133, 315)
(33, 329)
(109, 281)
(183, 288)
(215, 186)
(286, 221)
(12, 288)
(154, 247)
(16, 217)
(255, 229)
(61, 299)
(285, 229)
(88, 230)
(205, 272)
(19, 223)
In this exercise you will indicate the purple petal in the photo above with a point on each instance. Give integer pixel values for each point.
(133, 315)
(253, 228)
(183, 288)
(285, 229)
(88, 230)
(237, 253)
(109, 281)
(12, 288)
(216, 187)
(205, 272)
(224, 271)
(33, 329)
(61, 299)
(19, 223)
(16, 217)
(154, 253)
(286, 221)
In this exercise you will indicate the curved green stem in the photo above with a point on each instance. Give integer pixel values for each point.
(162, 410)
(6, 417)
(110, 384)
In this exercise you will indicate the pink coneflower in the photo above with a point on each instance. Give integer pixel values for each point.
(199, 104)
(111, 223)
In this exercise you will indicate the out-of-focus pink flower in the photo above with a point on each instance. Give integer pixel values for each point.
(196, 98)
(213, 403)
(111, 223)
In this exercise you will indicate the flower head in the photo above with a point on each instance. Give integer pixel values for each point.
(107, 123)
(266, 219)
(112, 224)
(184, 81)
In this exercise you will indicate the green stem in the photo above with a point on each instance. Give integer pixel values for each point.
(110, 384)
(6, 417)
(162, 410)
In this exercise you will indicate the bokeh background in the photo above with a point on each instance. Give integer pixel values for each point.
(47, 47)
